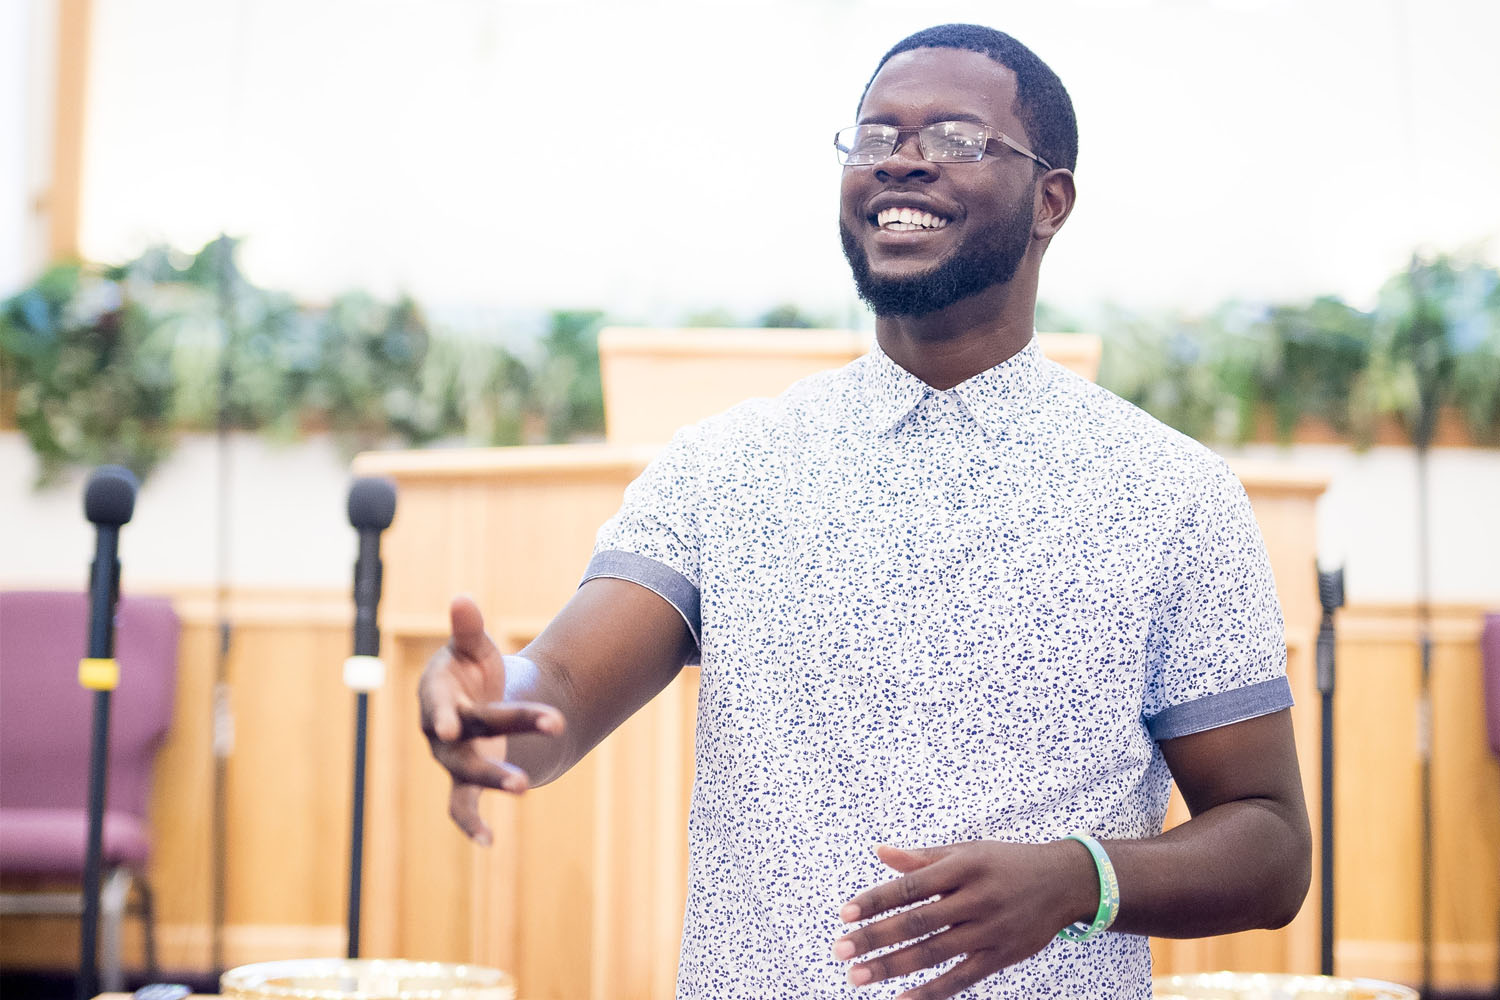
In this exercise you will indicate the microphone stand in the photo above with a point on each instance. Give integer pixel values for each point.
(1432, 364)
(1425, 738)
(1331, 597)
(372, 505)
(221, 726)
(108, 502)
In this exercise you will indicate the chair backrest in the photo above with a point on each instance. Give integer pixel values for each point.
(46, 718)
(1489, 642)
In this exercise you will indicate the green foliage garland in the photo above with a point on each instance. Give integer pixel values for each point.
(103, 364)
(1433, 341)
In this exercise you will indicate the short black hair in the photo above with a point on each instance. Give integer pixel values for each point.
(1042, 102)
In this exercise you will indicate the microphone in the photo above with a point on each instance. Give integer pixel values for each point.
(1331, 597)
(372, 505)
(108, 503)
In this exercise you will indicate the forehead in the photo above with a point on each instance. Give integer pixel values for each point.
(921, 86)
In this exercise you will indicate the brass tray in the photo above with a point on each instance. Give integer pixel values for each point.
(1261, 986)
(364, 979)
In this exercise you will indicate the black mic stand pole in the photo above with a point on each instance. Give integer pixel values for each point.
(1424, 703)
(108, 501)
(1331, 597)
(1431, 363)
(221, 725)
(372, 505)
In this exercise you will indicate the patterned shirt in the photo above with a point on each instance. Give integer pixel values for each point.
(927, 617)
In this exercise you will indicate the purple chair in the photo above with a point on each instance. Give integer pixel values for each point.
(45, 731)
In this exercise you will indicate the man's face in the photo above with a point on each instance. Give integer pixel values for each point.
(980, 213)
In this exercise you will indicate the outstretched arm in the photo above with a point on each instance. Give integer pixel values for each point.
(508, 722)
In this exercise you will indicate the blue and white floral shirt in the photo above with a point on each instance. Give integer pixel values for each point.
(927, 617)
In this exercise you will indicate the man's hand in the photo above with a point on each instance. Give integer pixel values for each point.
(467, 719)
(992, 902)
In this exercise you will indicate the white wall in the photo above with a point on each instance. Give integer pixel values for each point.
(1367, 520)
(289, 527)
(1228, 148)
(286, 513)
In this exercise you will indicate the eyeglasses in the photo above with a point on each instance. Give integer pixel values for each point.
(941, 142)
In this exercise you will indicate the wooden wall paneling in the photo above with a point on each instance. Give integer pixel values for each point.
(513, 529)
(1466, 818)
(641, 849)
(497, 890)
(656, 380)
(1376, 805)
(419, 898)
(558, 887)
(380, 923)
(290, 776)
(181, 806)
(1378, 801)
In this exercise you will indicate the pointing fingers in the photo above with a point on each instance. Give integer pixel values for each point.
(507, 718)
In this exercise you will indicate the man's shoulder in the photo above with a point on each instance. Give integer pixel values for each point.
(1120, 432)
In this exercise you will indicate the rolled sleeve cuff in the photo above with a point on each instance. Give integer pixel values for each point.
(1222, 709)
(659, 578)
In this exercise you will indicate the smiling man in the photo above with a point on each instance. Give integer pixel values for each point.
(962, 617)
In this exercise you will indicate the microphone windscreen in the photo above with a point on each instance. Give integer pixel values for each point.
(1331, 589)
(372, 503)
(109, 497)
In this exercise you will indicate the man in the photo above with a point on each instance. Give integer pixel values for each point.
(959, 614)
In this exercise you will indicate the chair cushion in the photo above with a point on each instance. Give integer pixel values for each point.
(54, 841)
(46, 718)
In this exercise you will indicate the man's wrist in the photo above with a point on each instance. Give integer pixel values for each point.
(1079, 882)
(1109, 894)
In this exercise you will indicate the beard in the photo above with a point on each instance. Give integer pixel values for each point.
(984, 258)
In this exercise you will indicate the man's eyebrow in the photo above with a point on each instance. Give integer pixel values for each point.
(956, 116)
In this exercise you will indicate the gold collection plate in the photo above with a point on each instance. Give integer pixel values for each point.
(1261, 986)
(364, 979)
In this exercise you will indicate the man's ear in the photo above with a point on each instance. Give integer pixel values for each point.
(1055, 195)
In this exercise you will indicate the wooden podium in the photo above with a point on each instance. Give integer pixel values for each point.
(582, 893)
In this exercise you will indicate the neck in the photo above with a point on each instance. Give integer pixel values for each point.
(972, 335)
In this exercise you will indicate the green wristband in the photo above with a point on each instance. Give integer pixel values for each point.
(1109, 894)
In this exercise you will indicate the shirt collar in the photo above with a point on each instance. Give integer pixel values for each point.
(891, 392)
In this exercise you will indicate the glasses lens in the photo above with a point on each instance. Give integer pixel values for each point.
(953, 141)
(864, 144)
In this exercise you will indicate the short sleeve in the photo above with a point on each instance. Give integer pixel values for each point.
(1216, 653)
(654, 539)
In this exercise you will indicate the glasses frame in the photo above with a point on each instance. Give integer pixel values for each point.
(987, 132)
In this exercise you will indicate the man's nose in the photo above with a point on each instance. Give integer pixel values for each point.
(906, 159)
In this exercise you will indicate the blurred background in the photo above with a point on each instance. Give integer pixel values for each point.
(243, 240)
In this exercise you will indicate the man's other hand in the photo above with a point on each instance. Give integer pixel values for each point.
(467, 718)
(993, 903)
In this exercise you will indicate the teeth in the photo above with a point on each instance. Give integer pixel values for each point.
(906, 219)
